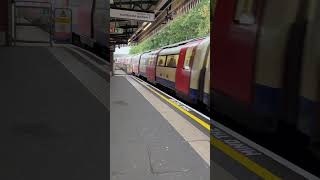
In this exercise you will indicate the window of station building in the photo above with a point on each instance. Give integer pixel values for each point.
(161, 60)
(172, 61)
(186, 64)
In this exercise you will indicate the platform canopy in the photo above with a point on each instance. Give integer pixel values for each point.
(130, 16)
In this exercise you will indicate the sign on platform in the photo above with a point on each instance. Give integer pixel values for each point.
(62, 24)
(114, 29)
(134, 15)
(62, 20)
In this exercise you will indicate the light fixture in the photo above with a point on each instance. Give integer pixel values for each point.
(147, 26)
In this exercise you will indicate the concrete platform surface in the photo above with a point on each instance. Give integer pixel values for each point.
(52, 126)
(143, 144)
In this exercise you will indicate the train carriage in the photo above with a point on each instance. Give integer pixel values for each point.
(309, 95)
(182, 67)
(90, 24)
(88, 18)
(151, 66)
(135, 64)
(270, 81)
(198, 70)
(206, 87)
(143, 64)
(167, 61)
(128, 64)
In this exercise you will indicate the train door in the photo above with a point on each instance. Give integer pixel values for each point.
(142, 64)
(256, 60)
(161, 61)
(234, 42)
(206, 89)
(151, 72)
(183, 71)
(152, 76)
(138, 65)
(135, 64)
(309, 97)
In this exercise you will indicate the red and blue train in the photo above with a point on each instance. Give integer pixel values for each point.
(264, 70)
(182, 67)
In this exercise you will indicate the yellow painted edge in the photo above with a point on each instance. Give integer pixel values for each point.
(249, 164)
(204, 124)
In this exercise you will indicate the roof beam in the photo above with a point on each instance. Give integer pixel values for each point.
(135, 2)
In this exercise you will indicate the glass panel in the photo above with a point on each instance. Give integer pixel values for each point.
(245, 12)
(161, 60)
(150, 61)
(187, 59)
(172, 61)
(208, 60)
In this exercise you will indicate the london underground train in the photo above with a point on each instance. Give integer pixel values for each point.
(89, 27)
(264, 72)
(265, 68)
(88, 21)
(182, 67)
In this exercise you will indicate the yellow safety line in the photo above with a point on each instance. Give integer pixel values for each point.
(249, 164)
(204, 124)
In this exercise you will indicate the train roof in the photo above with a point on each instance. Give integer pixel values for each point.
(185, 42)
(175, 46)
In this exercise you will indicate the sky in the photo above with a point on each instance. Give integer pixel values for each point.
(123, 50)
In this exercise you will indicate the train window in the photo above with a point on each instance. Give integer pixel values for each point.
(145, 61)
(161, 60)
(186, 64)
(245, 12)
(208, 59)
(150, 61)
(172, 61)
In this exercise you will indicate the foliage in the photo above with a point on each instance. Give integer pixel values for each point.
(195, 23)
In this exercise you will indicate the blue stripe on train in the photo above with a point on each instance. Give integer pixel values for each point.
(266, 99)
(308, 115)
(193, 93)
(166, 82)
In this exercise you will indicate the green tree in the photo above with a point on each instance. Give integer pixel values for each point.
(195, 23)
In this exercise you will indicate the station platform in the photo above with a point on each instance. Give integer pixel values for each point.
(54, 111)
(151, 140)
(138, 107)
